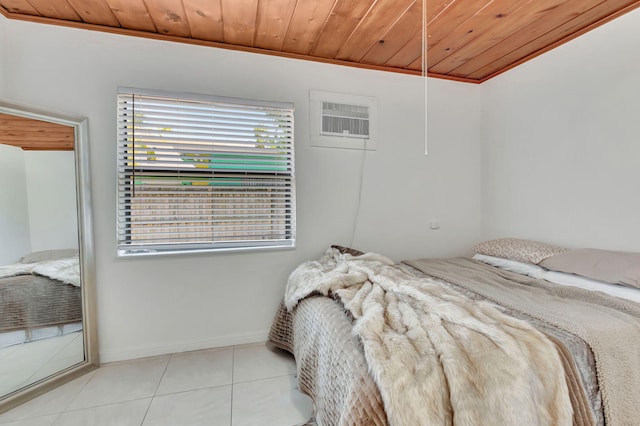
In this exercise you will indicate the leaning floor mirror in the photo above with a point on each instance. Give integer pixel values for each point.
(47, 280)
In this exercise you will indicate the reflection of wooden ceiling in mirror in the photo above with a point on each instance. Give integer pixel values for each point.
(30, 134)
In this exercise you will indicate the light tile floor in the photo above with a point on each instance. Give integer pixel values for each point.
(236, 386)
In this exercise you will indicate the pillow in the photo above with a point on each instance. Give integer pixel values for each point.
(528, 269)
(517, 249)
(615, 267)
(41, 256)
(562, 278)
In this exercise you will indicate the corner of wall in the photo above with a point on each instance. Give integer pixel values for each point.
(483, 136)
(14, 221)
(559, 143)
(454, 130)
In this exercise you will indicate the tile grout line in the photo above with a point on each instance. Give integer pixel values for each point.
(66, 407)
(60, 350)
(98, 406)
(68, 403)
(3, 423)
(268, 378)
(233, 364)
(164, 371)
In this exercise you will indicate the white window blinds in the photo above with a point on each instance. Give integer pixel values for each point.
(200, 173)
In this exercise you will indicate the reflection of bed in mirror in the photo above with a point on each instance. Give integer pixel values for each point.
(45, 253)
(40, 312)
(40, 298)
(40, 317)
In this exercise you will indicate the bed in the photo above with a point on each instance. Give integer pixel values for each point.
(40, 297)
(522, 350)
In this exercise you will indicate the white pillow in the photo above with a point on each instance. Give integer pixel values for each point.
(522, 268)
(629, 293)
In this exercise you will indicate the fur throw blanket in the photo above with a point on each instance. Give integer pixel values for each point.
(66, 270)
(438, 357)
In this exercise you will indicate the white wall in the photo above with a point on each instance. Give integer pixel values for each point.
(452, 188)
(38, 208)
(51, 191)
(562, 143)
(3, 60)
(14, 212)
(167, 304)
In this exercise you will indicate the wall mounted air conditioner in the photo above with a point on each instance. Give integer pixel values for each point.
(340, 120)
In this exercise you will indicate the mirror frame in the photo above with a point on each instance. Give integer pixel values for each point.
(85, 244)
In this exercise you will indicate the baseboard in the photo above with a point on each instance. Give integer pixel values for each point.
(184, 346)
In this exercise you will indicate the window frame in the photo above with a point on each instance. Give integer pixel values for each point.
(126, 171)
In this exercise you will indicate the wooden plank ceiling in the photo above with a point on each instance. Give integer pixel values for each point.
(474, 40)
(30, 134)
(468, 40)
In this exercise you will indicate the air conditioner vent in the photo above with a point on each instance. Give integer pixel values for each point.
(340, 120)
(345, 120)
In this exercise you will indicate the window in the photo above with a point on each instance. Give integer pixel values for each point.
(202, 173)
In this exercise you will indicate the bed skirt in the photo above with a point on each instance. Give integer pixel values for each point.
(331, 366)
